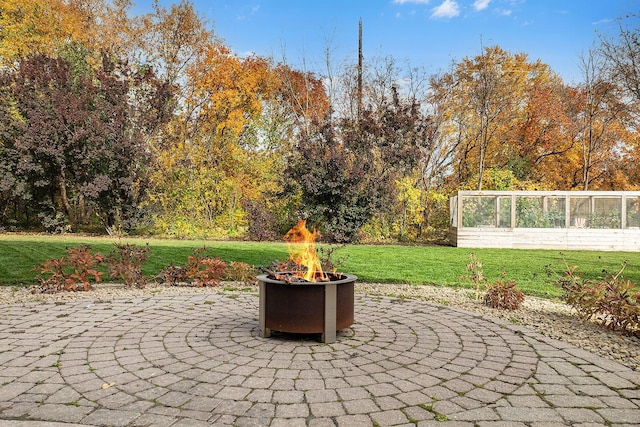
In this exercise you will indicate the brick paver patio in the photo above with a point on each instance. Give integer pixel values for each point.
(198, 359)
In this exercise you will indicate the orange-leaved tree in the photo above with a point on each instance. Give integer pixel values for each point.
(216, 161)
(486, 101)
(39, 26)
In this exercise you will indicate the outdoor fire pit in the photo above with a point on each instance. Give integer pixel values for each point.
(307, 300)
(306, 307)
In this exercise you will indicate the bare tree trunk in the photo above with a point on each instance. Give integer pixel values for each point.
(586, 156)
(64, 197)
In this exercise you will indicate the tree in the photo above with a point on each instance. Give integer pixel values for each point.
(303, 97)
(599, 116)
(76, 152)
(211, 164)
(173, 41)
(489, 120)
(299, 101)
(623, 58)
(47, 26)
(492, 85)
(8, 157)
(38, 26)
(347, 169)
(544, 141)
(339, 191)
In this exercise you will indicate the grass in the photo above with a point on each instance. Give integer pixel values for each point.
(417, 265)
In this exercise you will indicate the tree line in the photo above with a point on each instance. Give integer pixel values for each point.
(151, 124)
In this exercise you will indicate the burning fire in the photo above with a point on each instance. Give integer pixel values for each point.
(302, 251)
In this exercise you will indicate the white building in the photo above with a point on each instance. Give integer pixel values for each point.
(592, 220)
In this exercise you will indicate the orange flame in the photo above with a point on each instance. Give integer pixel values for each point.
(302, 251)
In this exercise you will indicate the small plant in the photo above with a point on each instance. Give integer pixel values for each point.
(328, 259)
(70, 272)
(620, 307)
(611, 301)
(240, 272)
(202, 270)
(504, 295)
(210, 272)
(82, 261)
(194, 262)
(580, 294)
(199, 269)
(172, 275)
(476, 274)
(52, 277)
(126, 261)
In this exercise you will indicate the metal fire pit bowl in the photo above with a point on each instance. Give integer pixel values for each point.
(306, 308)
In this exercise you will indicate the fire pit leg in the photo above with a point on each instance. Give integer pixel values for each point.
(330, 313)
(266, 332)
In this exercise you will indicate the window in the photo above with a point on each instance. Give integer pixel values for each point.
(633, 211)
(479, 211)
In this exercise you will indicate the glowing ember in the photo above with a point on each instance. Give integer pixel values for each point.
(302, 251)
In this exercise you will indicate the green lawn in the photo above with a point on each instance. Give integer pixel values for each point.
(438, 265)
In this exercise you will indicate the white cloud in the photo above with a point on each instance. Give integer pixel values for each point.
(603, 21)
(448, 9)
(481, 4)
(411, 1)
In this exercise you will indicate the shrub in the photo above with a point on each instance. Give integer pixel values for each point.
(581, 295)
(501, 294)
(263, 224)
(126, 261)
(199, 269)
(620, 306)
(240, 272)
(504, 295)
(194, 262)
(172, 275)
(329, 260)
(82, 261)
(209, 272)
(52, 277)
(67, 273)
(611, 301)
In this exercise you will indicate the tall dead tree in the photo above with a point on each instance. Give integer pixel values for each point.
(359, 68)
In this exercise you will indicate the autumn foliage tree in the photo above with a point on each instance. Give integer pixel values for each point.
(337, 179)
(72, 151)
(542, 141)
(47, 26)
(347, 169)
(211, 163)
(30, 26)
(485, 101)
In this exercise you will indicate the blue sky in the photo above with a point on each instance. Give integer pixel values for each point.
(423, 33)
